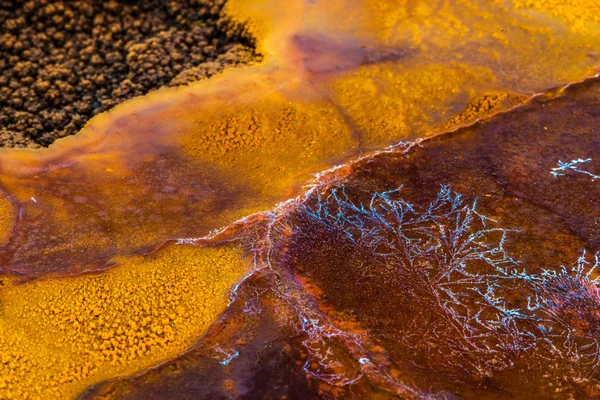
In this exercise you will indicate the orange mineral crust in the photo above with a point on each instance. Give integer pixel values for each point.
(59, 336)
(339, 78)
(294, 278)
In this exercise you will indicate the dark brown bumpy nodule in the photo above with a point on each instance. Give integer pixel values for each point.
(62, 62)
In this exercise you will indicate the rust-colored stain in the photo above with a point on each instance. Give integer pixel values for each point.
(451, 252)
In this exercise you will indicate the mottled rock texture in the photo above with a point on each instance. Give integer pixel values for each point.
(62, 62)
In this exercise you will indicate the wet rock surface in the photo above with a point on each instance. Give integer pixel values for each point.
(485, 228)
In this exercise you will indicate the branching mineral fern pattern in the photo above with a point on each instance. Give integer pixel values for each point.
(452, 262)
(563, 167)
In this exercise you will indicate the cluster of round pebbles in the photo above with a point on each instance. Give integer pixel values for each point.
(62, 62)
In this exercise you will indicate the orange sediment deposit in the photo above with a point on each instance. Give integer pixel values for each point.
(58, 336)
(180, 162)
(183, 161)
(269, 142)
(8, 216)
(266, 128)
(582, 16)
(485, 106)
(384, 88)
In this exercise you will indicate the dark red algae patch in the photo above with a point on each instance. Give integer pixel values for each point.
(464, 268)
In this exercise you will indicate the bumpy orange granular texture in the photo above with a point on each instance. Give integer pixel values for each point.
(59, 336)
(484, 106)
(267, 144)
(8, 216)
(582, 16)
(381, 98)
(266, 127)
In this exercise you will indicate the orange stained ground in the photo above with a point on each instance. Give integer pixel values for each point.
(340, 78)
(58, 336)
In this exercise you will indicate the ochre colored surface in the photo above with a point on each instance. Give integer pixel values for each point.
(581, 16)
(8, 216)
(59, 336)
(339, 78)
